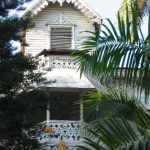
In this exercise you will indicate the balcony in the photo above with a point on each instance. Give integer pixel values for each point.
(61, 61)
(62, 130)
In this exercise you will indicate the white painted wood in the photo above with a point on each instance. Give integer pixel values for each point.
(76, 3)
(49, 38)
(48, 112)
(66, 130)
(73, 37)
(38, 38)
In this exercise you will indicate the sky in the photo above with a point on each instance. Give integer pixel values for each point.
(105, 8)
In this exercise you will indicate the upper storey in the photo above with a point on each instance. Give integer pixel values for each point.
(59, 25)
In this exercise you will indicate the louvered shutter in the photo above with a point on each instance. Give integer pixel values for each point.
(61, 38)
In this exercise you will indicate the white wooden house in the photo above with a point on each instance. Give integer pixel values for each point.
(57, 32)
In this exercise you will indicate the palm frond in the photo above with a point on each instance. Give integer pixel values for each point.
(111, 103)
(142, 7)
(91, 145)
(117, 134)
(118, 55)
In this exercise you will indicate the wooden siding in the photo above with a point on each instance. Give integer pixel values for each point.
(37, 38)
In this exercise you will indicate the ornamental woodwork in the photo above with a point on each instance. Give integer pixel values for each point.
(63, 130)
(61, 19)
(59, 61)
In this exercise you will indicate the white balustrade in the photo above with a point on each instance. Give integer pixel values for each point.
(67, 131)
(59, 61)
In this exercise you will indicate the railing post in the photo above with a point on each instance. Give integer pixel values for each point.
(48, 109)
(48, 112)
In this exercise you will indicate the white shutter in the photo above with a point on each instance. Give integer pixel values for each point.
(61, 38)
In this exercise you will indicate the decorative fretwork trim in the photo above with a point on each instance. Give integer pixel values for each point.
(79, 4)
(60, 19)
(59, 61)
(62, 130)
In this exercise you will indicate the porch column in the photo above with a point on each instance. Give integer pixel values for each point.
(48, 112)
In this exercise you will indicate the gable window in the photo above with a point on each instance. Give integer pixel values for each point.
(61, 38)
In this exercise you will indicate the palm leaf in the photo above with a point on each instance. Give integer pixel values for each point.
(116, 134)
(142, 7)
(112, 103)
(120, 56)
(91, 144)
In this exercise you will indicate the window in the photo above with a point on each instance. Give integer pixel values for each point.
(61, 37)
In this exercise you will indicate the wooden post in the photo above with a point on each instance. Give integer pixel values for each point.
(48, 112)
(48, 109)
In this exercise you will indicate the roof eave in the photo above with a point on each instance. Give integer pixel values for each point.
(36, 8)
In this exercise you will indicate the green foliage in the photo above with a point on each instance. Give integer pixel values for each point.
(141, 4)
(116, 134)
(15, 120)
(110, 103)
(115, 121)
(120, 54)
(6, 5)
(17, 76)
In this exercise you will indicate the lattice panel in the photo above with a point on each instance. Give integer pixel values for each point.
(66, 130)
(61, 19)
(62, 62)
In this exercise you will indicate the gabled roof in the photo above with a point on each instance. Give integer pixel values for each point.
(39, 5)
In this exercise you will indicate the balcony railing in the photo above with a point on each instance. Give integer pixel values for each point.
(59, 61)
(62, 130)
